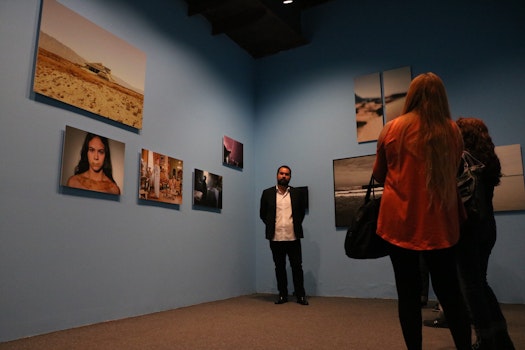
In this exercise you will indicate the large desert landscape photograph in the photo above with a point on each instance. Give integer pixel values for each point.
(83, 65)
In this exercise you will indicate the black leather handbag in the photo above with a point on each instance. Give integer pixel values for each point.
(362, 241)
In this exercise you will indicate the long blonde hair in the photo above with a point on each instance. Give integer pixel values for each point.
(437, 138)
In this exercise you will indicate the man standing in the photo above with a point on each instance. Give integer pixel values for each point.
(282, 211)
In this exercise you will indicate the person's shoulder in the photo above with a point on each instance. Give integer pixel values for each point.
(73, 181)
(114, 189)
(269, 189)
(296, 192)
(403, 119)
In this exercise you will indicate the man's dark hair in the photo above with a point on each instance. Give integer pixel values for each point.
(285, 166)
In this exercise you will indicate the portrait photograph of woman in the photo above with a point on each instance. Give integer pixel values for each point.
(92, 162)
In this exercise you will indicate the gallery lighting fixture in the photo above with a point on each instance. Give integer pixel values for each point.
(287, 1)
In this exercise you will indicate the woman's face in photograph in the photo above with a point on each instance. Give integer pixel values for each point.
(96, 154)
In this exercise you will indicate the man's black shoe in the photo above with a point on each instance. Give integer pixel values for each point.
(281, 300)
(302, 301)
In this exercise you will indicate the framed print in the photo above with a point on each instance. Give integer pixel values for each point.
(351, 178)
(509, 195)
(368, 107)
(160, 177)
(395, 88)
(92, 162)
(232, 152)
(207, 189)
(83, 65)
(305, 197)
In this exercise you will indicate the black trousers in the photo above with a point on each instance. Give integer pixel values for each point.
(474, 248)
(292, 249)
(445, 282)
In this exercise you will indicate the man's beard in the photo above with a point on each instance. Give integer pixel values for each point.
(283, 182)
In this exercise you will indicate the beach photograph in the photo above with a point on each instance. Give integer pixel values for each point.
(351, 178)
(368, 107)
(395, 87)
(83, 65)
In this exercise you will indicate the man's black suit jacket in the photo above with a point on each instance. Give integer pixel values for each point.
(268, 210)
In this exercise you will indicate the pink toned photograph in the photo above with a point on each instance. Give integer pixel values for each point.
(92, 162)
(160, 178)
(232, 152)
(83, 65)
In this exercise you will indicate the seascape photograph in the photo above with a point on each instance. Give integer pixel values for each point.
(351, 177)
(83, 65)
(368, 107)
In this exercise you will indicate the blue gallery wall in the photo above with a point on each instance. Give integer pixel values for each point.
(70, 259)
(305, 116)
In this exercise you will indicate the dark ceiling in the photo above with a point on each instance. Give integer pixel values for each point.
(261, 27)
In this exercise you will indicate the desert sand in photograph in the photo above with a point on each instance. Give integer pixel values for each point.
(74, 84)
(369, 118)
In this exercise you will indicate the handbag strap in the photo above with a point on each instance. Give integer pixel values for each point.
(471, 162)
(370, 190)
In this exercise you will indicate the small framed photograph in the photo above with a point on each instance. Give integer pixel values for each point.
(368, 107)
(207, 189)
(509, 195)
(92, 162)
(351, 178)
(232, 153)
(160, 177)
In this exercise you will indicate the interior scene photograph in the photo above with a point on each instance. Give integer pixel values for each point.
(262, 174)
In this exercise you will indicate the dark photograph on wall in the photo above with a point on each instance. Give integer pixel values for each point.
(304, 195)
(207, 189)
(232, 152)
(160, 178)
(83, 65)
(509, 195)
(92, 162)
(368, 107)
(351, 177)
(395, 87)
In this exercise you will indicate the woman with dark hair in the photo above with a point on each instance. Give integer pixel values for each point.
(418, 155)
(94, 171)
(478, 237)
